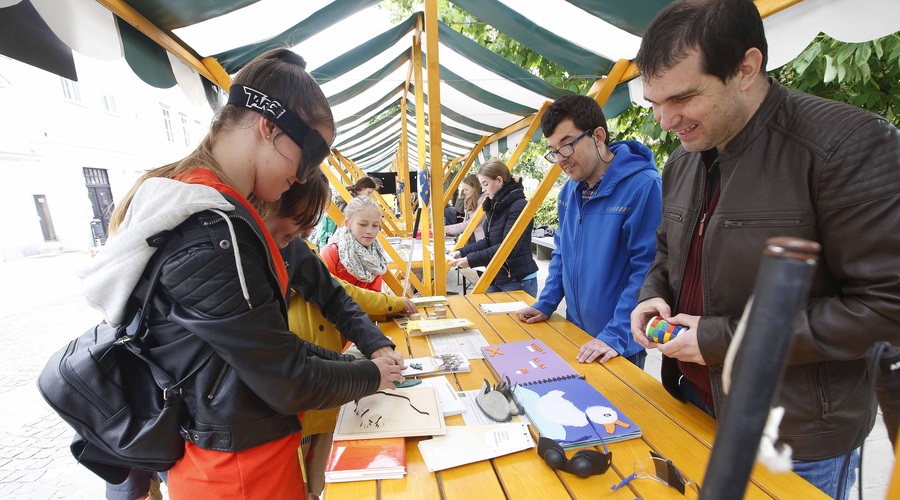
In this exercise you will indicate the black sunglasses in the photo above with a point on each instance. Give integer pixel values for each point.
(584, 463)
(315, 148)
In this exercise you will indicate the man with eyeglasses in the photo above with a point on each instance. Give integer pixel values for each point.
(608, 214)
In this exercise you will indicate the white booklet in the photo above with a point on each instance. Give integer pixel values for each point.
(467, 344)
(503, 307)
(465, 444)
(450, 402)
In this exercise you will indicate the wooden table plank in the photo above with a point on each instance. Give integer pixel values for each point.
(679, 431)
(684, 415)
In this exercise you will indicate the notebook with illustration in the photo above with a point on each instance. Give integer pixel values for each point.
(574, 414)
(557, 400)
(366, 459)
(527, 362)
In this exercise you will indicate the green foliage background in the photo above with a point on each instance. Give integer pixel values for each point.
(864, 74)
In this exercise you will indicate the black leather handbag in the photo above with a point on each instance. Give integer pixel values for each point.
(126, 410)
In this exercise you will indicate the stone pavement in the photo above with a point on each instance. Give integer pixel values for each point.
(41, 309)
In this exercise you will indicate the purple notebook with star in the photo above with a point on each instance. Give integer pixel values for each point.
(527, 362)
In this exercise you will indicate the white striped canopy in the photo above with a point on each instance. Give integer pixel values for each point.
(362, 60)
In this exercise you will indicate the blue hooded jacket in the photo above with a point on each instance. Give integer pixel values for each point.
(604, 248)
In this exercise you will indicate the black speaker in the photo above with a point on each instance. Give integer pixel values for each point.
(388, 179)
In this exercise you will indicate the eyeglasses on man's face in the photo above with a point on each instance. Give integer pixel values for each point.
(566, 150)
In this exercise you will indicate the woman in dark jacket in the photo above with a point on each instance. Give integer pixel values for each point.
(220, 295)
(505, 201)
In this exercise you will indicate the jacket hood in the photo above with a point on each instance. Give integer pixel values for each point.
(509, 192)
(631, 158)
(159, 204)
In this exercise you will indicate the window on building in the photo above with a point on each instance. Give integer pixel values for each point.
(109, 102)
(185, 131)
(167, 121)
(70, 89)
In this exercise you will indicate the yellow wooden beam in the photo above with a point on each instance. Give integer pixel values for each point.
(529, 133)
(463, 238)
(469, 160)
(434, 129)
(769, 7)
(388, 218)
(208, 67)
(403, 153)
(612, 79)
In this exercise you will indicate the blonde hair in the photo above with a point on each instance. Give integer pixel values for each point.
(358, 204)
(494, 168)
(471, 204)
(278, 72)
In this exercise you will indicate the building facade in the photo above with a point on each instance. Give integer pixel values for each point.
(69, 150)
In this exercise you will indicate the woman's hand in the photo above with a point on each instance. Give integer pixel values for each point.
(463, 263)
(390, 372)
(455, 254)
(409, 307)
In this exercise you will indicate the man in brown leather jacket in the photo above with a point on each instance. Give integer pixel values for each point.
(758, 160)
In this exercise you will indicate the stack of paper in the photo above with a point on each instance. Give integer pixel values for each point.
(474, 443)
(430, 326)
(503, 307)
(429, 301)
(451, 404)
(366, 459)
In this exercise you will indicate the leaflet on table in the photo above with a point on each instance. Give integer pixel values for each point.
(503, 307)
(366, 459)
(444, 363)
(467, 343)
(429, 301)
(574, 414)
(421, 327)
(450, 400)
(473, 443)
(473, 414)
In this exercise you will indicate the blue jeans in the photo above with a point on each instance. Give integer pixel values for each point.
(529, 286)
(638, 358)
(689, 392)
(834, 476)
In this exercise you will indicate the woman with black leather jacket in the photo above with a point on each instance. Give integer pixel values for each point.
(505, 201)
(223, 290)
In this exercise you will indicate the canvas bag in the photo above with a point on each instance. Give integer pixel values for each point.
(126, 410)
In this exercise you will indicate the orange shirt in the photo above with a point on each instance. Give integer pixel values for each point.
(267, 472)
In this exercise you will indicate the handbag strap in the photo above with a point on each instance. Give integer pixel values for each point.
(137, 331)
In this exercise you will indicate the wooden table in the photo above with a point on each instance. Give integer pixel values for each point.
(678, 431)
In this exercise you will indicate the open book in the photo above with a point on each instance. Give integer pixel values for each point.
(560, 403)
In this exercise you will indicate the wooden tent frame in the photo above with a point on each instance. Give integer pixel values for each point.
(342, 171)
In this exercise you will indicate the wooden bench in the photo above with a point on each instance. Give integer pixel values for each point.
(543, 246)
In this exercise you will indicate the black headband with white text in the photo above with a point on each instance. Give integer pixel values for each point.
(314, 147)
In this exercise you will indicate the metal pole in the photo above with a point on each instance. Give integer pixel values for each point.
(779, 295)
